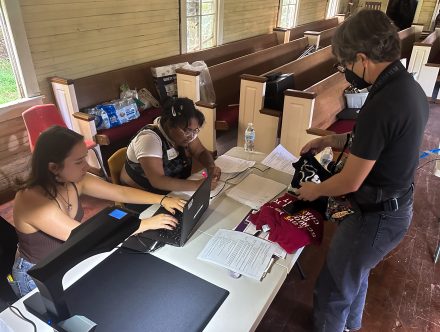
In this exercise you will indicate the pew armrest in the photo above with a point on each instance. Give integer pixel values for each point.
(83, 116)
(319, 132)
(102, 139)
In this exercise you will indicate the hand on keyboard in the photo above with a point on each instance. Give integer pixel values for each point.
(159, 221)
(172, 203)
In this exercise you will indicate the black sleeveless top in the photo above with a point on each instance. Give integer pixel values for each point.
(178, 167)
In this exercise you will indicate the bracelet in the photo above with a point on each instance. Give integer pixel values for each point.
(165, 196)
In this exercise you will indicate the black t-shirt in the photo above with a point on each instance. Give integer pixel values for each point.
(390, 128)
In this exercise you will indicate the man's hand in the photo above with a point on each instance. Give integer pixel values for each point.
(308, 191)
(315, 146)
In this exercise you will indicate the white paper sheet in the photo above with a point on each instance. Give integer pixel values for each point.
(240, 252)
(221, 186)
(281, 160)
(230, 164)
(255, 190)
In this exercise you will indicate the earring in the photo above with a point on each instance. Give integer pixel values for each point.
(173, 111)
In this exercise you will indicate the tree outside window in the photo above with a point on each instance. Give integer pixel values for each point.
(201, 23)
(9, 90)
(287, 13)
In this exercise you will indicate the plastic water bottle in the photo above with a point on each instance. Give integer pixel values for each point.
(326, 156)
(249, 137)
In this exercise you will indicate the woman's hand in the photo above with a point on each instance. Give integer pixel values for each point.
(216, 172)
(159, 221)
(171, 203)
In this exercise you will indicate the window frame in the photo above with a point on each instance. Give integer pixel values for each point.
(218, 25)
(19, 50)
(281, 6)
(332, 8)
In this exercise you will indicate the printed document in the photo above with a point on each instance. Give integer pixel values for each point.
(240, 252)
(255, 190)
(230, 164)
(281, 160)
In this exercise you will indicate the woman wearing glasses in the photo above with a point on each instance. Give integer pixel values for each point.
(159, 157)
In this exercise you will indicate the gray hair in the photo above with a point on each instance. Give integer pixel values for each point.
(370, 32)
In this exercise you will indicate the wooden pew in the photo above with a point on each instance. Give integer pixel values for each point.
(425, 61)
(286, 35)
(407, 38)
(226, 79)
(321, 25)
(306, 71)
(313, 111)
(314, 108)
(226, 82)
(72, 95)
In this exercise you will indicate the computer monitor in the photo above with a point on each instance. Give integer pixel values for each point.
(101, 233)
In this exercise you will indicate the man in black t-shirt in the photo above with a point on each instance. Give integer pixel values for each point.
(378, 173)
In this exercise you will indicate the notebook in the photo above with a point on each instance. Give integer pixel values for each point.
(188, 219)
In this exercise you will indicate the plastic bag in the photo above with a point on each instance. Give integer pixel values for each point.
(102, 120)
(144, 99)
(207, 92)
(119, 111)
(165, 79)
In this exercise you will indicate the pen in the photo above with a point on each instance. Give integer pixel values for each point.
(272, 260)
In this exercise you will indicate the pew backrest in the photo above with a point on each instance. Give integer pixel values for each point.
(310, 69)
(226, 76)
(95, 89)
(320, 25)
(329, 100)
(315, 107)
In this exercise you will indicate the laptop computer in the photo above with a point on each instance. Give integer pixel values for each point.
(188, 219)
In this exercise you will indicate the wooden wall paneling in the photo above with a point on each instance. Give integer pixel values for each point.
(53, 11)
(311, 10)
(14, 155)
(244, 19)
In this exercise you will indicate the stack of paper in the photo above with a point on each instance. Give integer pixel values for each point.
(255, 190)
(281, 160)
(240, 252)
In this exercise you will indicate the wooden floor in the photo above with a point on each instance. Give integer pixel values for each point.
(404, 289)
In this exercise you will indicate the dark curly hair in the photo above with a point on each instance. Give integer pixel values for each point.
(370, 32)
(178, 112)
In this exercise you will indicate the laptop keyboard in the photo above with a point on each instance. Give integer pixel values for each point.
(174, 234)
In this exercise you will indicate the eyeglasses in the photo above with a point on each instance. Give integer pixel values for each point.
(191, 132)
(339, 67)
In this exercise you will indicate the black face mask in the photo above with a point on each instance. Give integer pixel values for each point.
(355, 80)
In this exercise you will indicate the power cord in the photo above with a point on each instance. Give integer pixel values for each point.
(236, 175)
(19, 314)
(428, 162)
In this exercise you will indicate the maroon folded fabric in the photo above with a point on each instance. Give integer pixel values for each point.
(289, 231)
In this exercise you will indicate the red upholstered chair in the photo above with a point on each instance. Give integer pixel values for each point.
(40, 117)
